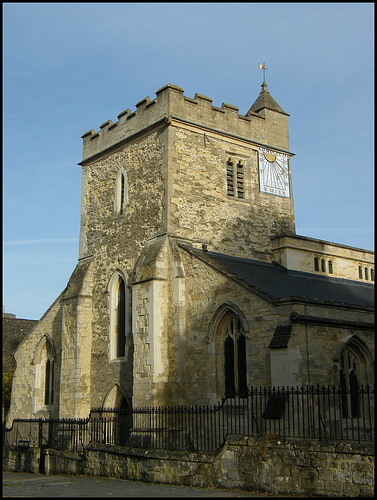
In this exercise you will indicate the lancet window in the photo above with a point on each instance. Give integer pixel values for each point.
(44, 362)
(118, 319)
(120, 199)
(234, 358)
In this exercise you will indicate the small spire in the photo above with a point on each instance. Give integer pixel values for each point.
(265, 100)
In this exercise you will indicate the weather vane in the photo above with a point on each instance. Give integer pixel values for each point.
(263, 66)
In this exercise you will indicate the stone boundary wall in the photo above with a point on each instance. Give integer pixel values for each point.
(265, 465)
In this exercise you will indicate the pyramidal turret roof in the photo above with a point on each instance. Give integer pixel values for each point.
(264, 100)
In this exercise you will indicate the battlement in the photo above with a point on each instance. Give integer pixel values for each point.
(170, 102)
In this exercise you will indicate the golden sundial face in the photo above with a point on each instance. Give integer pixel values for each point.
(273, 172)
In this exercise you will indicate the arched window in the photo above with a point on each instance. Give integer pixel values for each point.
(44, 361)
(120, 199)
(49, 382)
(331, 268)
(323, 265)
(316, 264)
(366, 273)
(355, 370)
(372, 274)
(118, 317)
(360, 272)
(234, 358)
(228, 343)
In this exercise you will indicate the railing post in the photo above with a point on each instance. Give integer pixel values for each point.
(40, 433)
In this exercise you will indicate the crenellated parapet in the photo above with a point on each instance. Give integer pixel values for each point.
(267, 126)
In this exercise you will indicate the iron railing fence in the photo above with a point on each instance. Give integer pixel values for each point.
(324, 413)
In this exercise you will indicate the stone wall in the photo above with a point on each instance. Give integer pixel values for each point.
(21, 459)
(201, 211)
(14, 332)
(24, 379)
(264, 465)
(298, 253)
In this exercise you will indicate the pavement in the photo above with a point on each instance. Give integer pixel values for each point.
(22, 484)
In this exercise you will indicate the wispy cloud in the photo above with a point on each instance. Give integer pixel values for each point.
(40, 242)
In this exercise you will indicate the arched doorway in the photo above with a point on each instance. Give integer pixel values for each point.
(118, 412)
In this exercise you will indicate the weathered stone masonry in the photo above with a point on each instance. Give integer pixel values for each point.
(265, 465)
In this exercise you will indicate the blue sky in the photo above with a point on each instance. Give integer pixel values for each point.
(69, 67)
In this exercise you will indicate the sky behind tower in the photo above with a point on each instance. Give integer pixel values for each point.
(69, 67)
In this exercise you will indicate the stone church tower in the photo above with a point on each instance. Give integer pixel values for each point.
(181, 293)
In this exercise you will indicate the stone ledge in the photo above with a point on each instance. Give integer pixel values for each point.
(183, 456)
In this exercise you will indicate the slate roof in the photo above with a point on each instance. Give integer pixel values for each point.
(276, 283)
(265, 100)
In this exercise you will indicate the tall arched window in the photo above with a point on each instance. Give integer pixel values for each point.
(234, 358)
(227, 348)
(355, 369)
(44, 361)
(118, 318)
(120, 199)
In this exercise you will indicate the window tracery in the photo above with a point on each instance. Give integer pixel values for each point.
(234, 358)
(354, 371)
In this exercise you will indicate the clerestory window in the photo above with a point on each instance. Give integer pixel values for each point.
(316, 264)
(320, 265)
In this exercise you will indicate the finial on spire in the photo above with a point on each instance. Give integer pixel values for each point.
(263, 66)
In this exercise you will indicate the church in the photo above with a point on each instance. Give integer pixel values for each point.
(191, 283)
